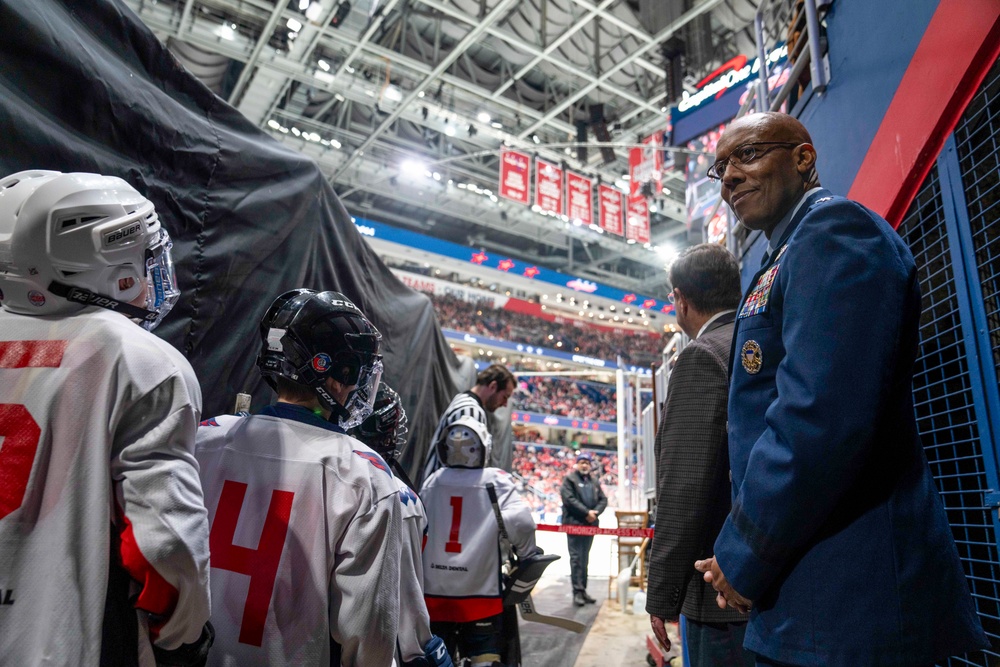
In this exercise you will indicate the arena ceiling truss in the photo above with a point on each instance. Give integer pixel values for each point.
(404, 104)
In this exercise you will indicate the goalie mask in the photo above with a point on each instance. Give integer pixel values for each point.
(73, 240)
(386, 428)
(466, 444)
(308, 336)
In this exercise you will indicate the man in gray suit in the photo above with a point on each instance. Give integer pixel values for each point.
(692, 463)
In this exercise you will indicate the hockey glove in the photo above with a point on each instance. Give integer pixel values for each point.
(194, 654)
(437, 653)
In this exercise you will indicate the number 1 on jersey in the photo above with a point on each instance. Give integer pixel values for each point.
(453, 546)
(260, 564)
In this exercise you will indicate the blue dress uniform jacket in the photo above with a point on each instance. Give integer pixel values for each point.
(837, 532)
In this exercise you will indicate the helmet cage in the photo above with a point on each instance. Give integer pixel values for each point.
(386, 428)
(466, 444)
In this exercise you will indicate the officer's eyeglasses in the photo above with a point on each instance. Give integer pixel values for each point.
(745, 154)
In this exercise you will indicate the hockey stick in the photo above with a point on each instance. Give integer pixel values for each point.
(528, 613)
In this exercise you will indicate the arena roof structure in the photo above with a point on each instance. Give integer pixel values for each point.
(404, 102)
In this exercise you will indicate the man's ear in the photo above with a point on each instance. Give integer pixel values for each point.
(805, 158)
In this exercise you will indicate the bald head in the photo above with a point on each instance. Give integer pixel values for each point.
(770, 163)
(776, 126)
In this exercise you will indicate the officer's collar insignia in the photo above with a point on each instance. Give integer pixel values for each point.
(823, 199)
(751, 357)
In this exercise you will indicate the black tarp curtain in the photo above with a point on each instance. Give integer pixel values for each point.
(86, 86)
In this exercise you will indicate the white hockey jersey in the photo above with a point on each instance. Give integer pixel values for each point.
(97, 423)
(414, 622)
(462, 555)
(305, 540)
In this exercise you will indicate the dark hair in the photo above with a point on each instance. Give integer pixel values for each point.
(708, 277)
(496, 373)
(290, 389)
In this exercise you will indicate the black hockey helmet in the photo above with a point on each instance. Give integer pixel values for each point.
(386, 428)
(308, 336)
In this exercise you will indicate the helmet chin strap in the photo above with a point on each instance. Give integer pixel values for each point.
(337, 411)
(88, 298)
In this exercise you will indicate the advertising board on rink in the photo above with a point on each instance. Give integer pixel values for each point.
(515, 172)
(548, 187)
(610, 206)
(579, 198)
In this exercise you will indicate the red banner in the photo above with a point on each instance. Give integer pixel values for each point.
(637, 219)
(610, 205)
(548, 187)
(579, 198)
(515, 170)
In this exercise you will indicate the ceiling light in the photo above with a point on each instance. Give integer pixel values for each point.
(392, 94)
(449, 130)
(294, 25)
(323, 65)
(420, 94)
(483, 117)
(666, 252)
(497, 125)
(225, 32)
(413, 168)
(273, 124)
(303, 4)
(535, 138)
(325, 77)
(314, 11)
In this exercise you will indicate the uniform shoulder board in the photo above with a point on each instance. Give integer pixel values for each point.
(375, 460)
(823, 199)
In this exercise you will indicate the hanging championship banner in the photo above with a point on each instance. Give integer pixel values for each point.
(645, 165)
(637, 219)
(610, 205)
(548, 187)
(579, 198)
(515, 170)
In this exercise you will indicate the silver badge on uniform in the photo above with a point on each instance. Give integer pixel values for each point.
(751, 357)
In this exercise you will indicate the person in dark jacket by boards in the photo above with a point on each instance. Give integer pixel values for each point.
(583, 501)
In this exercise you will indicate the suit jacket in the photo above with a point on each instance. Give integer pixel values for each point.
(692, 479)
(579, 495)
(837, 532)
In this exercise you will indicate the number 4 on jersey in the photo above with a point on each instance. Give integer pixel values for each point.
(260, 564)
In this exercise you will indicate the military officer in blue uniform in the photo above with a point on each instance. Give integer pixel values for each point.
(837, 544)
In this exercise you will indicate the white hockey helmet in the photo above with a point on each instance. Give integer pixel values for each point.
(73, 240)
(466, 444)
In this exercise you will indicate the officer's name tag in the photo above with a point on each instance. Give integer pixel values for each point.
(757, 301)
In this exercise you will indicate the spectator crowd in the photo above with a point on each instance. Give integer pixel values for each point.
(540, 470)
(565, 398)
(639, 348)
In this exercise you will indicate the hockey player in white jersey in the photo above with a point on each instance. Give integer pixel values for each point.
(103, 530)
(462, 560)
(385, 431)
(305, 520)
(494, 386)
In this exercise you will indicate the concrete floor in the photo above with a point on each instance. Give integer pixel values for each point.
(614, 638)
